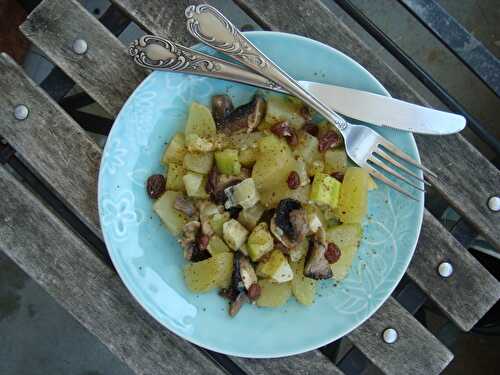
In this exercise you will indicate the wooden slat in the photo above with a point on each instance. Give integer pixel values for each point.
(54, 145)
(160, 17)
(105, 71)
(167, 18)
(415, 352)
(313, 362)
(465, 296)
(66, 267)
(466, 178)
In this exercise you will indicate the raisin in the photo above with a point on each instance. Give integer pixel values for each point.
(305, 113)
(338, 176)
(332, 253)
(234, 212)
(254, 291)
(281, 129)
(212, 178)
(155, 186)
(311, 129)
(293, 180)
(203, 241)
(329, 140)
(292, 140)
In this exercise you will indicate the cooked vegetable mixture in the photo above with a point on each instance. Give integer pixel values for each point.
(263, 201)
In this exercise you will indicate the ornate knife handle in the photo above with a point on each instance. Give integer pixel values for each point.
(158, 53)
(209, 26)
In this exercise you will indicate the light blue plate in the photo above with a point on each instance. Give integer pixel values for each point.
(150, 261)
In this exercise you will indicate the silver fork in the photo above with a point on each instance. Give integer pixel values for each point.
(365, 147)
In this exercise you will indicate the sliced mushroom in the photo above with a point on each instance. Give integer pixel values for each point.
(245, 117)
(223, 181)
(241, 280)
(247, 272)
(185, 205)
(207, 209)
(189, 242)
(289, 224)
(282, 216)
(298, 219)
(317, 266)
(235, 305)
(222, 106)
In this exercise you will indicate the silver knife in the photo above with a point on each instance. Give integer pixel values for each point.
(158, 53)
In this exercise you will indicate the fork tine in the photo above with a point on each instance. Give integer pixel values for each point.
(396, 151)
(385, 180)
(383, 155)
(393, 172)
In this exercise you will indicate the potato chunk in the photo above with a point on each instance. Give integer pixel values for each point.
(353, 201)
(200, 128)
(303, 288)
(175, 151)
(347, 238)
(175, 172)
(164, 207)
(283, 108)
(276, 267)
(234, 234)
(259, 242)
(273, 294)
(214, 272)
(199, 162)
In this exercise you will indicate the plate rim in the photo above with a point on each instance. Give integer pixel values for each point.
(129, 284)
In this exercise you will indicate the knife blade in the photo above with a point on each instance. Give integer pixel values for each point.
(385, 111)
(158, 53)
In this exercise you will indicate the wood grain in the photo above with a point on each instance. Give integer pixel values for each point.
(466, 178)
(105, 71)
(310, 363)
(160, 17)
(53, 144)
(167, 18)
(416, 351)
(67, 268)
(465, 296)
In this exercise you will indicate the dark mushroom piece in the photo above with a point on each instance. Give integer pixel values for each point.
(221, 182)
(222, 106)
(190, 243)
(235, 306)
(245, 117)
(247, 272)
(185, 205)
(317, 266)
(289, 224)
(241, 280)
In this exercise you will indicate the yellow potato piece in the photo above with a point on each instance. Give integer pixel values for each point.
(347, 238)
(273, 294)
(164, 207)
(214, 272)
(200, 128)
(175, 150)
(353, 201)
(274, 164)
(303, 288)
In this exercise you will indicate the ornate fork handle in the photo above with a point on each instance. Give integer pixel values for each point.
(158, 53)
(208, 25)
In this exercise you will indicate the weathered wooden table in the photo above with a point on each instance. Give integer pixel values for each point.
(49, 221)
